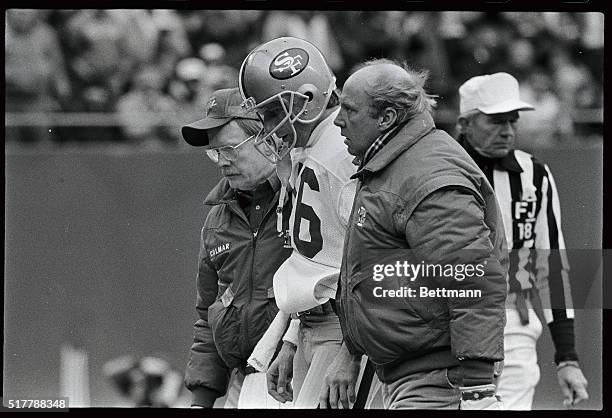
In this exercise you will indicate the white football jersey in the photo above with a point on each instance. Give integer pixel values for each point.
(323, 195)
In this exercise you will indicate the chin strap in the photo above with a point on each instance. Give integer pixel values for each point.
(283, 171)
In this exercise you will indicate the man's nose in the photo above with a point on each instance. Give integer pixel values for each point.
(270, 124)
(508, 129)
(223, 162)
(338, 121)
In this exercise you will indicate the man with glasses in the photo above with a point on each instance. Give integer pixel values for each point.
(240, 250)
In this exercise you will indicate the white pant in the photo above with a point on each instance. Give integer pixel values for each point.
(374, 400)
(317, 347)
(250, 391)
(521, 372)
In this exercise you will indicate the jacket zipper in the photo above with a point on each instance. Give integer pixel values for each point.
(246, 314)
(244, 337)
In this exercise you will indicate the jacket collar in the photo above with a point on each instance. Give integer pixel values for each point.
(223, 193)
(377, 145)
(403, 139)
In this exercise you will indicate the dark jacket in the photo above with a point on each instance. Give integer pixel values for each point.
(235, 300)
(421, 198)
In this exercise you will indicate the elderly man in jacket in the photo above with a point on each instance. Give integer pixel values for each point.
(240, 251)
(423, 217)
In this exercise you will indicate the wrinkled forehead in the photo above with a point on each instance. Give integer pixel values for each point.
(353, 94)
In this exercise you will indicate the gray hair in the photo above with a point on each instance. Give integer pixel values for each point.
(469, 115)
(406, 95)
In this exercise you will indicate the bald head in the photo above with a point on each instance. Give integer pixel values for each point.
(370, 76)
(392, 85)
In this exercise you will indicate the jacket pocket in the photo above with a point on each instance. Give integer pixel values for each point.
(396, 292)
(224, 322)
(393, 327)
(454, 378)
(256, 316)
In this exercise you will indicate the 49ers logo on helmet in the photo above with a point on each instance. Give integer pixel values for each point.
(289, 63)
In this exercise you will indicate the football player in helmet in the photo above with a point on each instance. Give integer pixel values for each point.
(288, 82)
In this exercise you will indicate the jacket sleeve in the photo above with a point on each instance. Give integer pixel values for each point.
(206, 376)
(553, 283)
(448, 227)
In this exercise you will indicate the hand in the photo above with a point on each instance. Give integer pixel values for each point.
(340, 381)
(498, 368)
(572, 383)
(280, 373)
(480, 398)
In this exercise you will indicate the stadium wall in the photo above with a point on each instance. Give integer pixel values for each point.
(101, 247)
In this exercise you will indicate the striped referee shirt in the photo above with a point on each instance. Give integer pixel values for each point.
(528, 199)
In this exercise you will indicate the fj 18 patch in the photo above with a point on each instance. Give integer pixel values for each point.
(524, 214)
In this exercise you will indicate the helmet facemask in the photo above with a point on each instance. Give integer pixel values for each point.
(286, 80)
(292, 105)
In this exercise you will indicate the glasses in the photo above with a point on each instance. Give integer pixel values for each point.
(229, 152)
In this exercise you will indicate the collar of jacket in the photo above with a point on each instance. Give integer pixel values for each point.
(223, 193)
(508, 163)
(415, 129)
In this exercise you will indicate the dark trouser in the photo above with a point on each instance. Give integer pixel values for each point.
(433, 389)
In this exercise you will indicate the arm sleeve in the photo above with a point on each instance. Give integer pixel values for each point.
(448, 226)
(206, 375)
(552, 272)
(291, 335)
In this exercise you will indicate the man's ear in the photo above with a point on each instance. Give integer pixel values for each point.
(388, 119)
(462, 123)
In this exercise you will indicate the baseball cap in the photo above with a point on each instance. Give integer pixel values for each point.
(491, 93)
(223, 106)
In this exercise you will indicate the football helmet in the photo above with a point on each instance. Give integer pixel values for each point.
(290, 79)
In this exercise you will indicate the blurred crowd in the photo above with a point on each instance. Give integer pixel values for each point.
(153, 70)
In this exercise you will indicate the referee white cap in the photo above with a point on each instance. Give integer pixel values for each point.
(491, 93)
